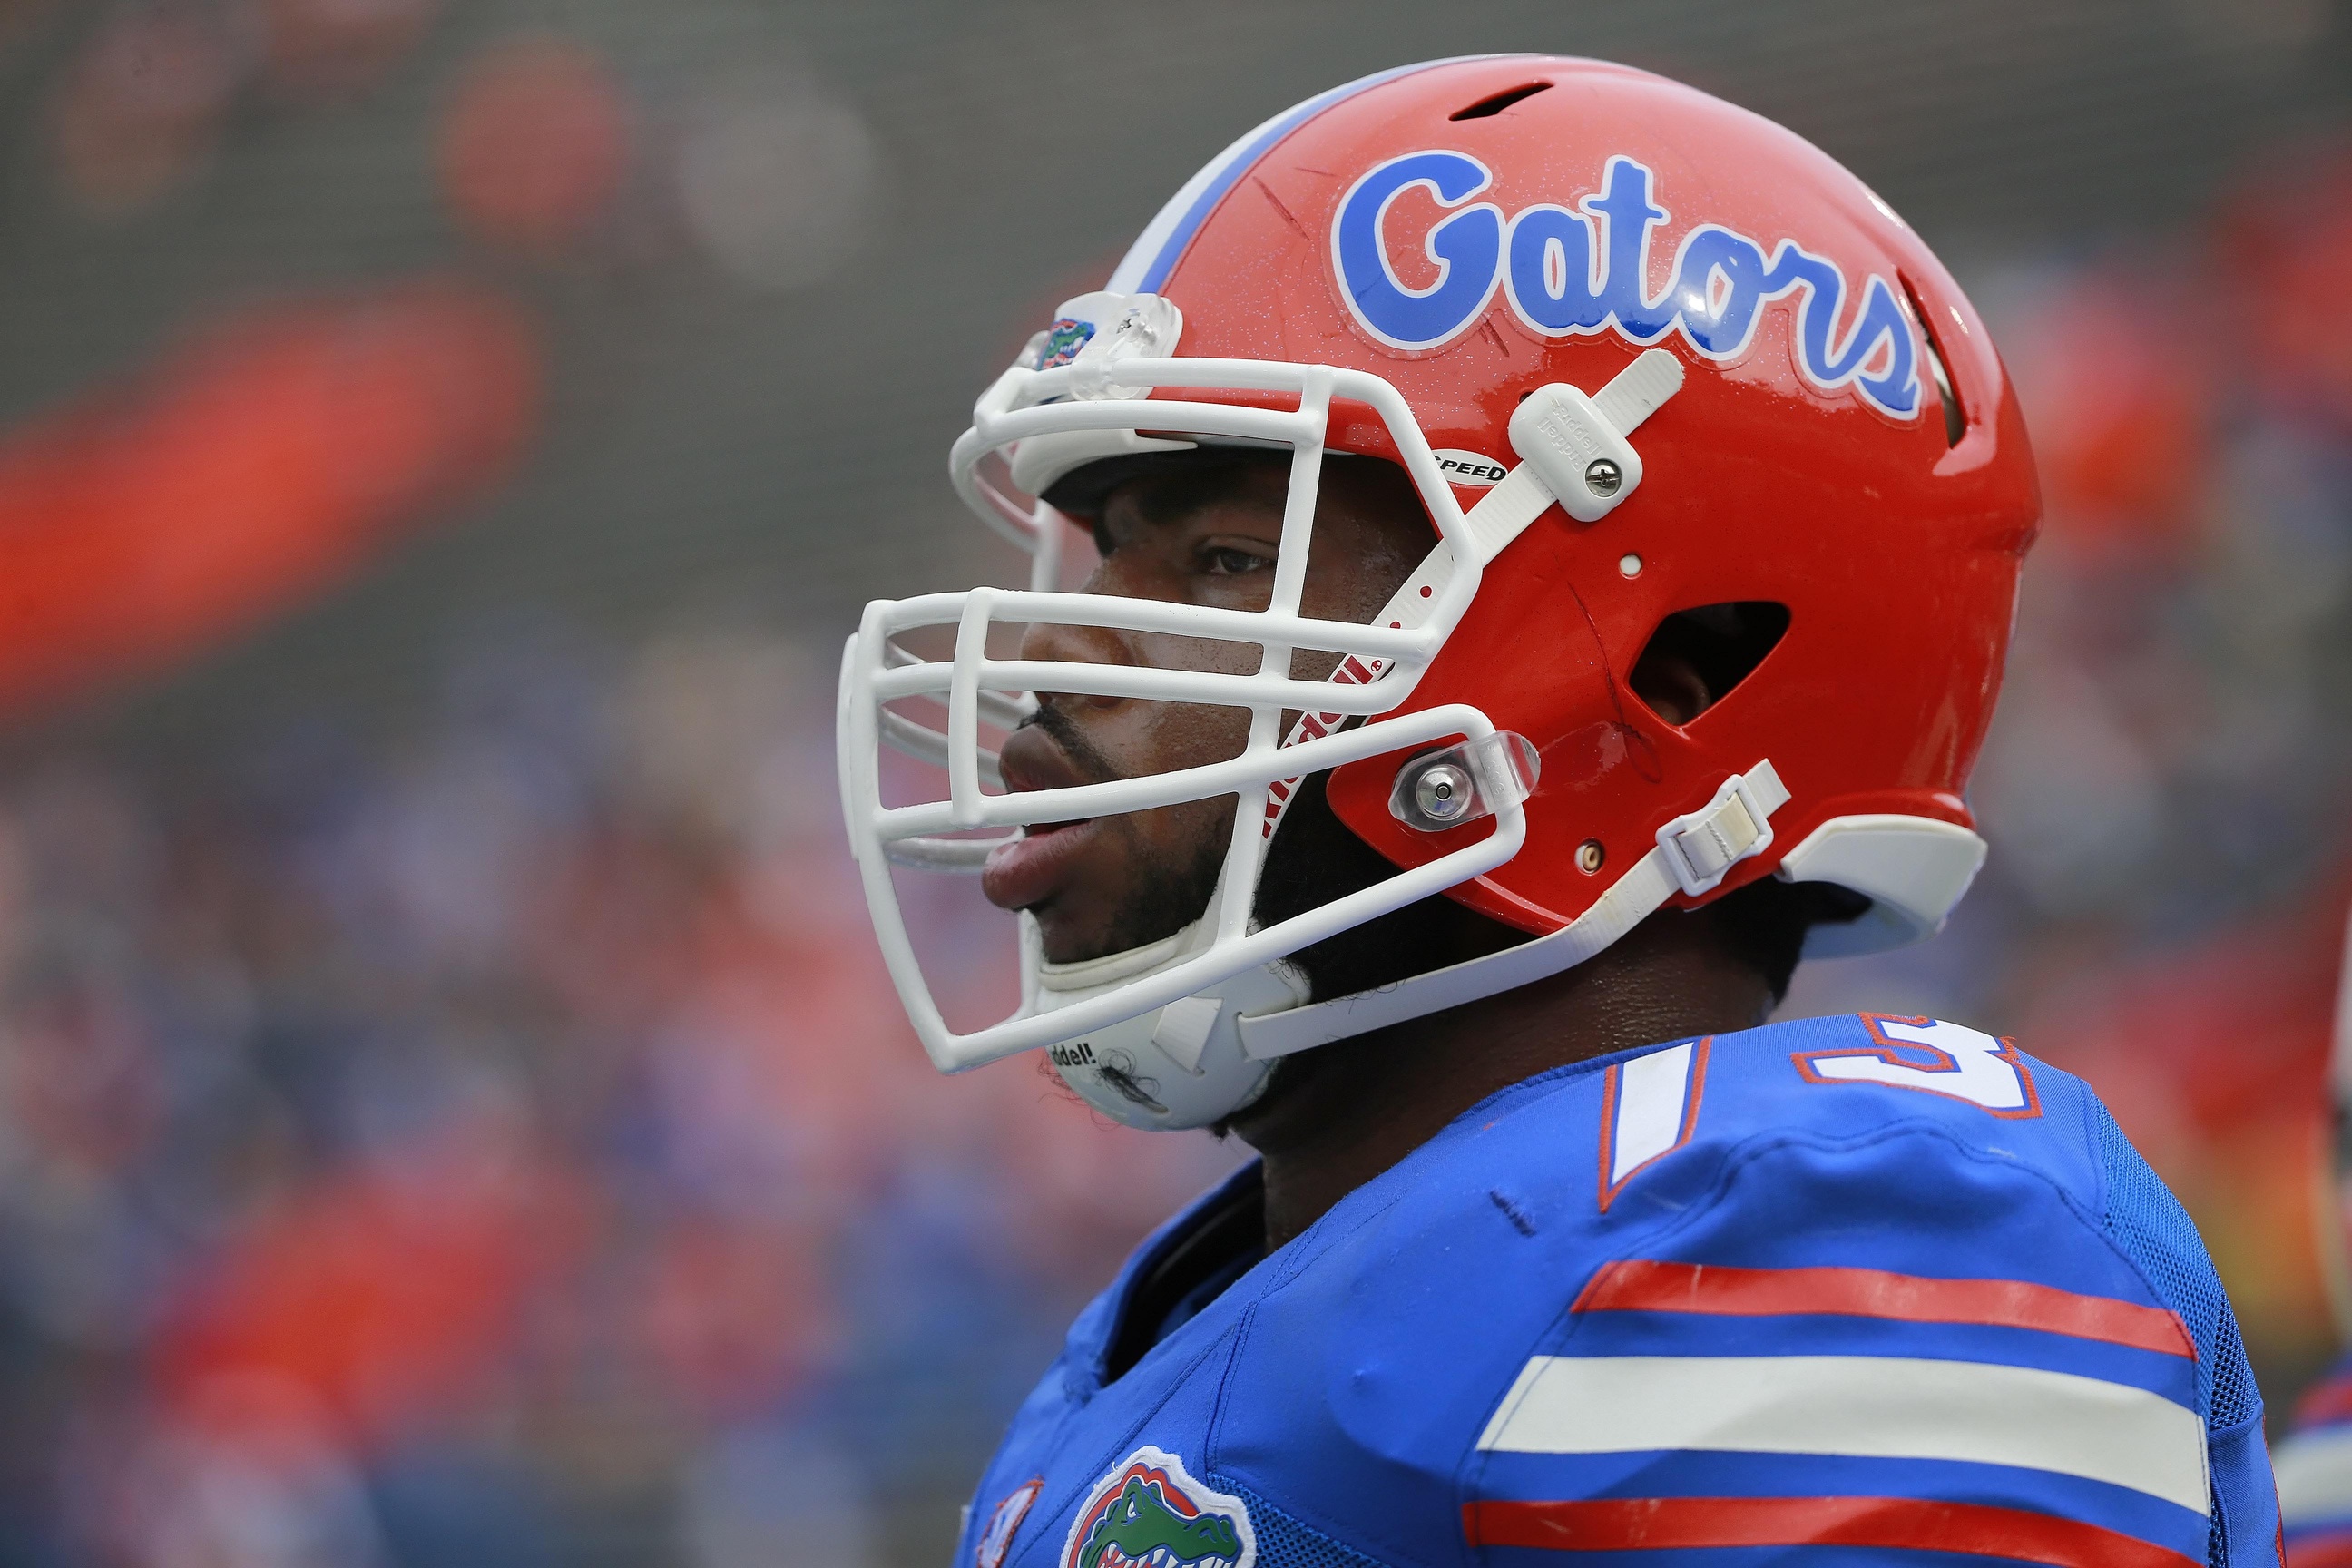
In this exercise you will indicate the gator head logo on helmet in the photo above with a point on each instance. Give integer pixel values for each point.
(1063, 341)
(1150, 1511)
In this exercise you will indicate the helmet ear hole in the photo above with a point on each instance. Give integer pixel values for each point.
(1696, 657)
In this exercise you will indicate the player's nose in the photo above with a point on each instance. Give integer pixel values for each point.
(1047, 641)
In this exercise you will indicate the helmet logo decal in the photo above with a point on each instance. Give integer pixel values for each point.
(1466, 245)
(1583, 270)
(1470, 469)
(1063, 341)
(1150, 1509)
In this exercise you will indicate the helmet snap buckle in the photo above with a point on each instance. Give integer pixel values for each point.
(1577, 445)
(1703, 845)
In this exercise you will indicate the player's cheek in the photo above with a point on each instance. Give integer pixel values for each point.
(1212, 655)
(1358, 563)
(1192, 735)
(1174, 835)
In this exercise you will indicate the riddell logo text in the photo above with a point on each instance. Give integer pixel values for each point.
(1080, 1054)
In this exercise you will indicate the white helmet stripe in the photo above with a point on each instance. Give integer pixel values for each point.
(1153, 255)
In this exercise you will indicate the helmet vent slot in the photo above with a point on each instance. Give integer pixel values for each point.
(1498, 102)
(1955, 423)
(1697, 658)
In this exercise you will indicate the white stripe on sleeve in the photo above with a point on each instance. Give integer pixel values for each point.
(1864, 1406)
(1650, 1092)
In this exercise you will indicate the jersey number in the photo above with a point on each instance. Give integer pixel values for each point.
(1936, 1057)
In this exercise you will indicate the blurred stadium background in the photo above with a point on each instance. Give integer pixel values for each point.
(450, 1110)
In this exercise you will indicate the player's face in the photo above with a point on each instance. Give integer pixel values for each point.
(1203, 533)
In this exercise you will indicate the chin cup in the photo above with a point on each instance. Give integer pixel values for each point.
(1183, 1065)
(1442, 789)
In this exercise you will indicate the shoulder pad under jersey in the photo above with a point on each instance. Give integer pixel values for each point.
(1873, 1281)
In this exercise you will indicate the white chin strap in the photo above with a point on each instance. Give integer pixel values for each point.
(1179, 1066)
(1693, 853)
(1202, 1057)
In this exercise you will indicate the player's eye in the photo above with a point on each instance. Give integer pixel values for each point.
(1232, 561)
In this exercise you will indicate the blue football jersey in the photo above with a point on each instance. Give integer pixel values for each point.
(2315, 1475)
(1852, 1291)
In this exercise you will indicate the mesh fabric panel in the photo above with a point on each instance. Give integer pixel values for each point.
(2155, 1233)
(1284, 1542)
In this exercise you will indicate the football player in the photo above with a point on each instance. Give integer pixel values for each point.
(1556, 540)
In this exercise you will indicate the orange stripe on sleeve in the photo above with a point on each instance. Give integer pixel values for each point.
(1641, 1285)
(1663, 1523)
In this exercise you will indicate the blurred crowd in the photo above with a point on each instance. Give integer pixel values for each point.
(508, 1150)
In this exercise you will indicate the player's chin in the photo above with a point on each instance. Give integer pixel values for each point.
(1075, 881)
(1070, 932)
(1119, 900)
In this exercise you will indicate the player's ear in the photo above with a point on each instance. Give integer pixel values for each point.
(1670, 685)
(1696, 656)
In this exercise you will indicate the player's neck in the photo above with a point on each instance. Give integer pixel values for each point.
(1337, 1117)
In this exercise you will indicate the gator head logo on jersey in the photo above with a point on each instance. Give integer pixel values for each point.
(1150, 1511)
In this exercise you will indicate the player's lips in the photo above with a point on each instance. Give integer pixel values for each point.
(1035, 867)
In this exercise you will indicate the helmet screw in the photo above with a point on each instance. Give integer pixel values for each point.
(1589, 857)
(1442, 794)
(1603, 477)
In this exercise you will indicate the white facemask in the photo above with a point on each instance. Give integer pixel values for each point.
(1183, 1032)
